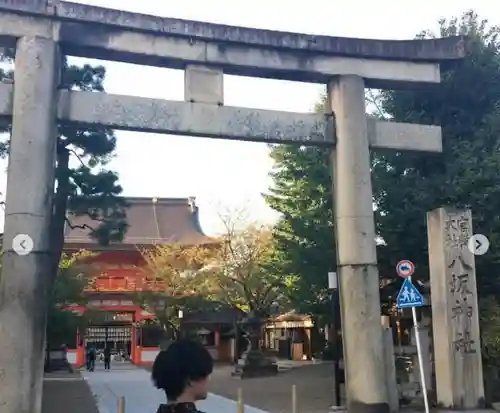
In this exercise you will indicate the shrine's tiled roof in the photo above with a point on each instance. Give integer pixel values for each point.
(290, 316)
(151, 221)
(221, 316)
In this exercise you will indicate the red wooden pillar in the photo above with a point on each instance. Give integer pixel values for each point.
(133, 345)
(137, 345)
(217, 338)
(217, 343)
(80, 349)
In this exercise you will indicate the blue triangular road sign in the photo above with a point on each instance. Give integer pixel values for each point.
(409, 296)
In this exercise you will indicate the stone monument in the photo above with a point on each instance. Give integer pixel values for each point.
(455, 319)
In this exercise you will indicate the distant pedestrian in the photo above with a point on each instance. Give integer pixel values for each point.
(87, 358)
(91, 356)
(107, 358)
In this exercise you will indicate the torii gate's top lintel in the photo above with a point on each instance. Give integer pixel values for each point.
(408, 50)
(109, 34)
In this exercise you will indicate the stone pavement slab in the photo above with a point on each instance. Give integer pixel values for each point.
(140, 395)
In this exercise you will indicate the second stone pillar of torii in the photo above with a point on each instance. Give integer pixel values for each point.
(366, 387)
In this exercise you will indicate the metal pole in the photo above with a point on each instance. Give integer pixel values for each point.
(120, 408)
(336, 345)
(294, 398)
(180, 334)
(333, 285)
(240, 407)
(419, 355)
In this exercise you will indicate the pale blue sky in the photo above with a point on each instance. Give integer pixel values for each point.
(223, 174)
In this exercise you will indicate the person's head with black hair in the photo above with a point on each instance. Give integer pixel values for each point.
(182, 371)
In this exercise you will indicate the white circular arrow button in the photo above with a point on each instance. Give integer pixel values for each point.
(22, 244)
(478, 244)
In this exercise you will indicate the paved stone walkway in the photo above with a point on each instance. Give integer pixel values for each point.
(140, 395)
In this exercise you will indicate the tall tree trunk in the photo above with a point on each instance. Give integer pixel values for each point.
(57, 223)
(59, 210)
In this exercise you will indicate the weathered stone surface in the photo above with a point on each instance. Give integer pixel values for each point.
(175, 117)
(126, 45)
(203, 85)
(455, 318)
(404, 136)
(409, 50)
(183, 118)
(192, 119)
(30, 186)
(31, 6)
(110, 34)
(115, 43)
(356, 253)
(390, 369)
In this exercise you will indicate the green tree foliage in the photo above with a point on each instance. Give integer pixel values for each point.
(73, 276)
(466, 104)
(86, 188)
(304, 236)
(490, 330)
(406, 185)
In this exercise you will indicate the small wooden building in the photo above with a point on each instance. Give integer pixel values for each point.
(289, 335)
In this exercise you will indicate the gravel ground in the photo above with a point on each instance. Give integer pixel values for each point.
(314, 384)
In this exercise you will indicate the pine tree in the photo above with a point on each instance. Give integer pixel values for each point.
(89, 188)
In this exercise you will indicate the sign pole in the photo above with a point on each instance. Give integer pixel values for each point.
(410, 297)
(335, 340)
(419, 356)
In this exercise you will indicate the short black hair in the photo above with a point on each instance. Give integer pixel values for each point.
(183, 361)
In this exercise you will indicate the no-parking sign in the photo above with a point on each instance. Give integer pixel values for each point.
(405, 268)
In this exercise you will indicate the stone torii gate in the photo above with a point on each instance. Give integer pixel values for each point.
(44, 30)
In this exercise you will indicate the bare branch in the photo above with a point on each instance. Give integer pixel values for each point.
(77, 156)
(374, 100)
(82, 226)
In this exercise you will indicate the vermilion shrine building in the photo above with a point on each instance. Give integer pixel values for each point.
(152, 221)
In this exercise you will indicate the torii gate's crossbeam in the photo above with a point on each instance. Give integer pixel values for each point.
(409, 50)
(224, 122)
(109, 34)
